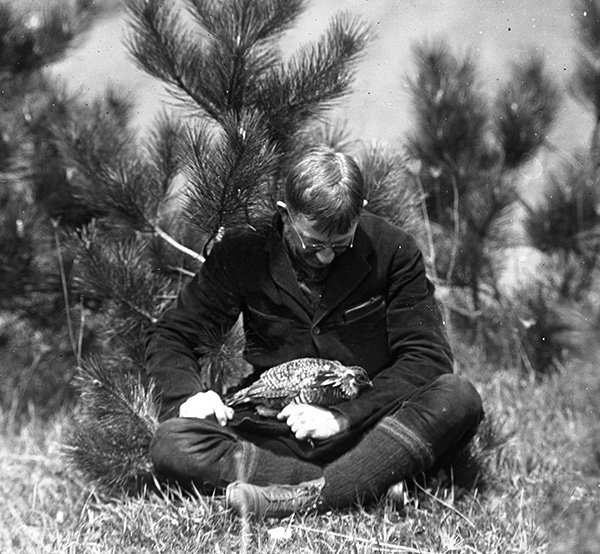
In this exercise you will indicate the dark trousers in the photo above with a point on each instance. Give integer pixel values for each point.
(436, 421)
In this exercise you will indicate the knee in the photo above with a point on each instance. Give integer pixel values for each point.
(166, 446)
(459, 386)
(462, 395)
(191, 450)
(177, 441)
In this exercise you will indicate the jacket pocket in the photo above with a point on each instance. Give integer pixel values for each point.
(375, 305)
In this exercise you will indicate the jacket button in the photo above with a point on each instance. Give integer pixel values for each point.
(316, 330)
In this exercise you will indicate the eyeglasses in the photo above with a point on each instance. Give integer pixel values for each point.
(319, 246)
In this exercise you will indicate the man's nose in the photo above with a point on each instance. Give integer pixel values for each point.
(326, 255)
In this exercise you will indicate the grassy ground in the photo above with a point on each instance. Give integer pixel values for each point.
(543, 493)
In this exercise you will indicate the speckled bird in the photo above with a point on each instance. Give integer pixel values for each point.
(303, 381)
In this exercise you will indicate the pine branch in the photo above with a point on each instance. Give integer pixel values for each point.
(451, 111)
(214, 66)
(121, 272)
(129, 194)
(293, 94)
(586, 84)
(588, 19)
(392, 193)
(540, 325)
(248, 22)
(221, 358)
(128, 191)
(451, 141)
(110, 437)
(241, 48)
(487, 206)
(163, 47)
(527, 107)
(90, 137)
(228, 65)
(467, 247)
(30, 40)
(568, 209)
(109, 179)
(171, 241)
(210, 72)
(230, 177)
(461, 165)
(162, 150)
(578, 329)
(335, 134)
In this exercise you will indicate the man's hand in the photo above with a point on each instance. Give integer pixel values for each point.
(312, 422)
(206, 404)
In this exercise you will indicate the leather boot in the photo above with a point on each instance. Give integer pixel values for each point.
(275, 501)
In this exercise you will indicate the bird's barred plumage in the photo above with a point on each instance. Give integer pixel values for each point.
(303, 381)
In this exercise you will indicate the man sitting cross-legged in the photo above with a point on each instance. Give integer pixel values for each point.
(327, 280)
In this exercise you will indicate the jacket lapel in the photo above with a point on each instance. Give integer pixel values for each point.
(280, 266)
(351, 269)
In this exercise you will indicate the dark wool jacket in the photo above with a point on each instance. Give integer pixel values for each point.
(377, 311)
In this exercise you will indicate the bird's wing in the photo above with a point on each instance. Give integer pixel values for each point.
(262, 393)
(292, 374)
(284, 383)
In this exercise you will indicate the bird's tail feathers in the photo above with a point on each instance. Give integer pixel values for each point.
(237, 398)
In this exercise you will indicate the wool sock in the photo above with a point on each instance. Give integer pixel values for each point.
(389, 453)
(262, 467)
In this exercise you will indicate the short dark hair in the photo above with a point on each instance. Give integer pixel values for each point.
(326, 187)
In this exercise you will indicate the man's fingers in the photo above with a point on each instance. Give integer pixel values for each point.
(221, 417)
(205, 404)
(309, 422)
(222, 413)
(287, 411)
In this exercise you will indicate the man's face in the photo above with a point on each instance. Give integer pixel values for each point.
(312, 247)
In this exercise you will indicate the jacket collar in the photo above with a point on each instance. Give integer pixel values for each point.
(348, 271)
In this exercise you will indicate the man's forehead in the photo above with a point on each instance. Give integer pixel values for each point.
(309, 228)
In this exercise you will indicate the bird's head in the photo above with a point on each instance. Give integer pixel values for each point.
(354, 380)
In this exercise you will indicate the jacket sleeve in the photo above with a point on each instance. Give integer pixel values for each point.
(207, 307)
(417, 339)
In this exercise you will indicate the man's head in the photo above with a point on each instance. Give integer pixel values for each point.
(326, 187)
(324, 196)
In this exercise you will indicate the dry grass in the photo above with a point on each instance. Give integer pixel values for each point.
(543, 496)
